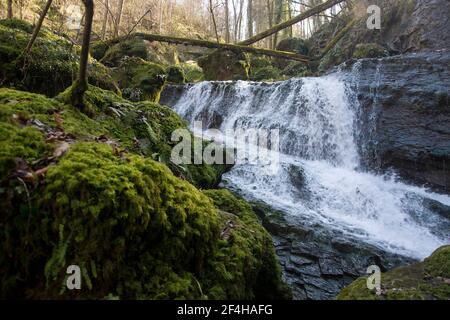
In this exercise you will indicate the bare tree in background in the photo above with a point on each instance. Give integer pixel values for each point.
(160, 20)
(10, 9)
(118, 18)
(227, 21)
(213, 17)
(249, 18)
(105, 20)
(37, 28)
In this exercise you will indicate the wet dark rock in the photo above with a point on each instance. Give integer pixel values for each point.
(405, 116)
(318, 263)
(437, 207)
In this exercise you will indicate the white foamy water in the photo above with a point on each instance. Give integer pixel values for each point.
(319, 178)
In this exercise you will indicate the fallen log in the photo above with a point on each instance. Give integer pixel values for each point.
(305, 15)
(215, 45)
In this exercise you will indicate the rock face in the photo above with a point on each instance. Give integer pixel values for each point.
(406, 26)
(428, 27)
(317, 263)
(405, 116)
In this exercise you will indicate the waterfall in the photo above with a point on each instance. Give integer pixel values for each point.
(321, 179)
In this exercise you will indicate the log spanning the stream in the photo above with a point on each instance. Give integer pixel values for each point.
(302, 16)
(216, 45)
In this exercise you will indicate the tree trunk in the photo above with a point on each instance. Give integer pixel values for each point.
(270, 19)
(10, 9)
(105, 20)
(278, 17)
(291, 31)
(308, 13)
(213, 17)
(160, 19)
(37, 28)
(250, 18)
(118, 18)
(241, 10)
(227, 22)
(81, 84)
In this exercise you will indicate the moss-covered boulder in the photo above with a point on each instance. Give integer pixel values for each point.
(369, 50)
(242, 233)
(427, 280)
(107, 206)
(51, 66)
(296, 45)
(225, 65)
(111, 53)
(192, 71)
(139, 79)
(175, 74)
(269, 73)
(296, 69)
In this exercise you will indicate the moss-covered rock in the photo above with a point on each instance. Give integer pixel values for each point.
(396, 16)
(17, 24)
(427, 280)
(296, 45)
(139, 79)
(108, 207)
(192, 71)
(51, 66)
(111, 53)
(369, 50)
(243, 234)
(268, 73)
(297, 69)
(175, 74)
(225, 65)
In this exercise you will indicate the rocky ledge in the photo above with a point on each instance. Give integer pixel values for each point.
(405, 114)
(318, 263)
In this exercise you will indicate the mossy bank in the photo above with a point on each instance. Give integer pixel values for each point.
(427, 280)
(101, 193)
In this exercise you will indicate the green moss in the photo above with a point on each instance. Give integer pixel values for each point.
(368, 50)
(296, 45)
(175, 74)
(142, 128)
(296, 69)
(259, 62)
(51, 65)
(245, 264)
(193, 73)
(438, 264)
(132, 47)
(25, 143)
(427, 280)
(124, 218)
(17, 24)
(267, 73)
(140, 80)
(98, 49)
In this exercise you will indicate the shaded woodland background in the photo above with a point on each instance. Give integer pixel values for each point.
(227, 21)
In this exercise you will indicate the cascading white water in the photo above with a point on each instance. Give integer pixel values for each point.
(320, 178)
